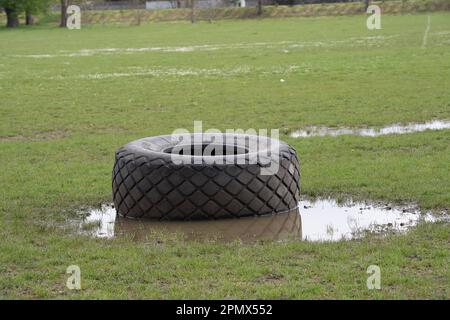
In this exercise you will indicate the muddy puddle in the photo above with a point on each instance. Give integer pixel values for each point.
(371, 132)
(319, 220)
(328, 220)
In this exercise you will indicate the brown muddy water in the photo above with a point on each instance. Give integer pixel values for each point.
(371, 132)
(317, 220)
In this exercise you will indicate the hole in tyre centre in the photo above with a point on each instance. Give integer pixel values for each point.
(206, 150)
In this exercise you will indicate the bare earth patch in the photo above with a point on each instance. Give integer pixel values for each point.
(39, 136)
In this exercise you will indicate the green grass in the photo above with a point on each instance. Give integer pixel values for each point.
(60, 130)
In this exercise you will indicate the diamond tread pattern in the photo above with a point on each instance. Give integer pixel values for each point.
(146, 186)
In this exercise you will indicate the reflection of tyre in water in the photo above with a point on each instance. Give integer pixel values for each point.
(283, 226)
(148, 184)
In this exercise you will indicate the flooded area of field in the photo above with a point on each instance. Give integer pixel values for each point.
(314, 220)
(371, 132)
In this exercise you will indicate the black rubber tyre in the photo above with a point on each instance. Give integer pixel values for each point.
(146, 183)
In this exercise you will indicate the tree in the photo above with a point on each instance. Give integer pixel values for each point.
(259, 9)
(63, 21)
(192, 4)
(29, 18)
(33, 7)
(13, 8)
(136, 4)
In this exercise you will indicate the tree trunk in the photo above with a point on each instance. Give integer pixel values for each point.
(29, 19)
(12, 18)
(137, 17)
(192, 11)
(259, 8)
(64, 5)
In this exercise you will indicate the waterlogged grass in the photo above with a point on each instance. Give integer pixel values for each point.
(67, 104)
(412, 266)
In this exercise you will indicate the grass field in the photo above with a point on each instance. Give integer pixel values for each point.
(69, 99)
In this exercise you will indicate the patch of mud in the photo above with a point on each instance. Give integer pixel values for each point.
(328, 220)
(371, 132)
(317, 220)
(38, 136)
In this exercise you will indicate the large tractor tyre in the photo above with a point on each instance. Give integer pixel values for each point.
(157, 178)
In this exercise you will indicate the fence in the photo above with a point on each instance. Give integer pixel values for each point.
(167, 4)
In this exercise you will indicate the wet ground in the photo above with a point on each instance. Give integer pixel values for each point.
(318, 220)
(371, 132)
(327, 219)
